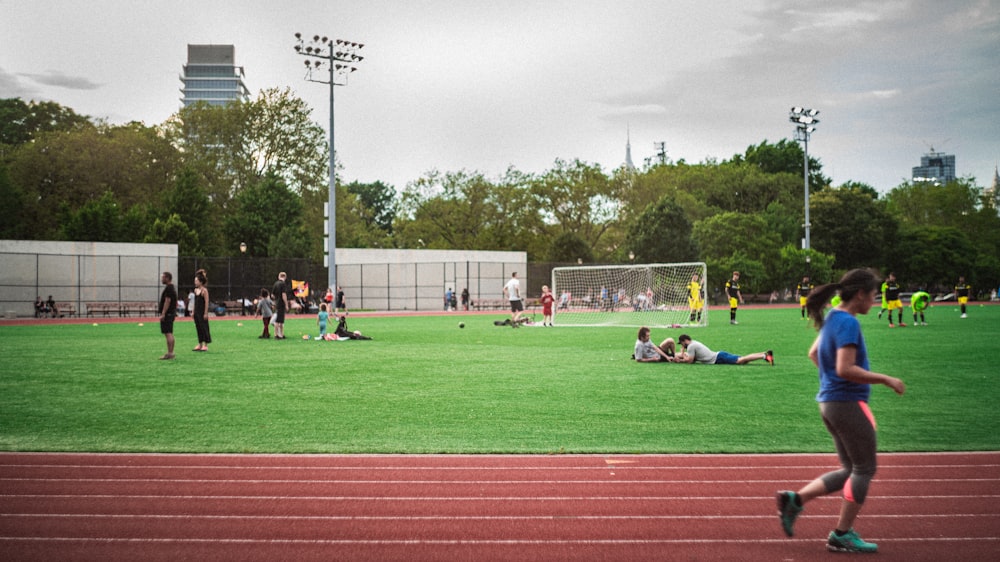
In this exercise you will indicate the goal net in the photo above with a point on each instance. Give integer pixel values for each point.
(658, 295)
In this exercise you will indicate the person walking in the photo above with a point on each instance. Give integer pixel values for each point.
(512, 292)
(168, 312)
(962, 292)
(840, 354)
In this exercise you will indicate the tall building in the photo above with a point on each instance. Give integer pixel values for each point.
(211, 76)
(628, 150)
(935, 167)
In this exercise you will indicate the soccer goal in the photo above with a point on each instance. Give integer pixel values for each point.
(658, 295)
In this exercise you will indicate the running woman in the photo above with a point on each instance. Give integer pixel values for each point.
(845, 386)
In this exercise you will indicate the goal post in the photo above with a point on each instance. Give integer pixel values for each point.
(658, 295)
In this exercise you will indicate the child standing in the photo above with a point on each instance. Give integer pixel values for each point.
(321, 319)
(547, 300)
(266, 309)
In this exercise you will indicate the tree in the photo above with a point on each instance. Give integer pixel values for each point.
(377, 199)
(850, 225)
(173, 230)
(261, 212)
(577, 197)
(66, 170)
(21, 122)
(235, 145)
(570, 248)
(98, 221)
(662, 234)
(933, 257)
(784, 157)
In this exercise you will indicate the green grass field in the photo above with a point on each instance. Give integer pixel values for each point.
(425, 386)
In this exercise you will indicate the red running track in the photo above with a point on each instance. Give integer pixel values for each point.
(491, 507)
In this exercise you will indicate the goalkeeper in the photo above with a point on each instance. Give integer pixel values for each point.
(919, 303)
(695, 300)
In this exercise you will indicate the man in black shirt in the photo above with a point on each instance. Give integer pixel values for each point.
(168, 311)
(280, 294)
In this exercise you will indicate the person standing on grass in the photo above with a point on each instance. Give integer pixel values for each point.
(891, 300)
(512, 292)
(201, 304)
(265, 308)
(280, 294)
(802, 290)
(735, 296)
(168, 312)
(547, 301)
(962, 292)
(841, 356)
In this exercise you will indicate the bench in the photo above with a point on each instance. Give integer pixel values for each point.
(232, 307)
(66, 309)
(106, 308)
(140, 308)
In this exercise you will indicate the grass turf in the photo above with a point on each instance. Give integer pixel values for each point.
(426, 386)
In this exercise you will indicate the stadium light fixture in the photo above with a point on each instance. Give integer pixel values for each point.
(329, 53)
(805, 124)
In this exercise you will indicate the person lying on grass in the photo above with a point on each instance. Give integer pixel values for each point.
(697, 352)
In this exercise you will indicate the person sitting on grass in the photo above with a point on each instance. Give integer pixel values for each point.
(697, 352)
(342, 331)
(647, 352)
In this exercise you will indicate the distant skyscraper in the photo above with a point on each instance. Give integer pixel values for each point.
(211, 76)
(628, 150)
(936, 167)
(993, 191)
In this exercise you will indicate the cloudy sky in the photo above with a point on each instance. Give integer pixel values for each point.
(485, 85)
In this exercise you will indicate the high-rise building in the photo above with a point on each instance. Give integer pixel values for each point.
(211, 76)
(935, 167)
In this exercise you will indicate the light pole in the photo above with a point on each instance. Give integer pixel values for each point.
(805, 124)
(337, 55)
(243, 278)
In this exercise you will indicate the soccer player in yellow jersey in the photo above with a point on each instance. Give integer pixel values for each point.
(695, 300)
(962, 290)
(802, 290)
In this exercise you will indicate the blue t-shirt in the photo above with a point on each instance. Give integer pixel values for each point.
(840, 330)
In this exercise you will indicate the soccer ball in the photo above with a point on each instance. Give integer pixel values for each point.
(305, 336)
(461, 324)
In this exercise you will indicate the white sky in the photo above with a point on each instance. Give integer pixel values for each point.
(485, 85)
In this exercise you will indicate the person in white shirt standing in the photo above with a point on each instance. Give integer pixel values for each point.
(512, 292)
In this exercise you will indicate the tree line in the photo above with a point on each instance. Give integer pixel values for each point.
(211, 177)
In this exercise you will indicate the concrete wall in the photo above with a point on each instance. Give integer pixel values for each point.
(417, 279)
(80, 272)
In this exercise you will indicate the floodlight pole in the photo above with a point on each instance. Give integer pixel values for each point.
(805, 124)
(330, 52)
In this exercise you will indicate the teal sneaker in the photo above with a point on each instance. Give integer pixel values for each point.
(850, 542)
(789, 508)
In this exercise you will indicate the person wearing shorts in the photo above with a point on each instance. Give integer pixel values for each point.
(279, 292)
(891, 300)
(168, 312)
(962, 291)
(697, 352)
(512, 291)
(734, 295)
(841, 356)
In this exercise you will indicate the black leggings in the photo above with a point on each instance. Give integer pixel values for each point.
(852, 426)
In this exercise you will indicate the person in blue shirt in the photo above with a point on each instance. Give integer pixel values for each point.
(845, 378)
